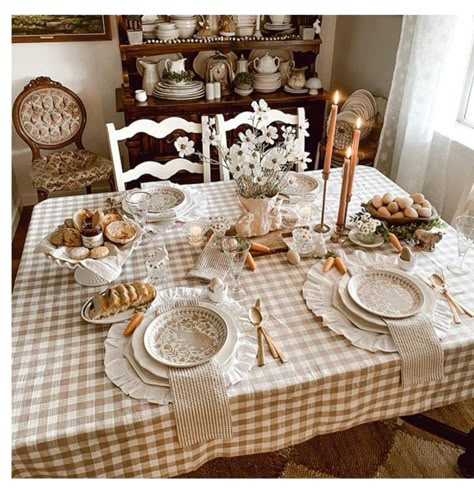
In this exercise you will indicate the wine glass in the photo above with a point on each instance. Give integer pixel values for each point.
(138, 203)
(236, 249)
(157, 265)
(465, 231)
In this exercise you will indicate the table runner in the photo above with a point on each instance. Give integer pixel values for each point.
(68, 420)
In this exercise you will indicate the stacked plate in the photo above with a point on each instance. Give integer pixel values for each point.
(245, 25)
(179, 91)
(267, 82)
(290, 90)
(186, 25)
(166, 31)
(279, 24)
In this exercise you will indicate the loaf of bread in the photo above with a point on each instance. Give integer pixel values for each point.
(121, 297)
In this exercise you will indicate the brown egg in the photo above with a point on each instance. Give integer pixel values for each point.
(405, 202)
(387, 198)
(417, 207)
(426, 204)
(418, 197)
(377, 201)
(411, 213)
(393, 207)
(293, 257)
(398, 215)
(425, 212)
(384, 212)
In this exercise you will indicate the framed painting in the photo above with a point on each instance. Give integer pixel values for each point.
(48, 28)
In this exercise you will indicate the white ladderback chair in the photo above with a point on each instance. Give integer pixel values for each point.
(153, 168)
(224, 126)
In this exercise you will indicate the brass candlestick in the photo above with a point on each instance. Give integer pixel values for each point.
(322, 227)
(345, 213)
(340, 234)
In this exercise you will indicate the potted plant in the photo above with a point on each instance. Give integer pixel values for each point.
(258, 162)
(243, 81)
(134, 29)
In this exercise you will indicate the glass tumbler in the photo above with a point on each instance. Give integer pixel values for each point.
(138, 203)
(236, 249)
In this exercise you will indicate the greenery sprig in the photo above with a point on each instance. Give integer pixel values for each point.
(403, 232)
(186, 76)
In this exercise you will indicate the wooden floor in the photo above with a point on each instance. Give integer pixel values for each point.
(19, 240)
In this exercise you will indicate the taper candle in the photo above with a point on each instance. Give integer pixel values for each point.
(345, 181)
(355, 149)
(331, 132)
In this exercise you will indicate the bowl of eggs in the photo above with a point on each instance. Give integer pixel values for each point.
(401, 210)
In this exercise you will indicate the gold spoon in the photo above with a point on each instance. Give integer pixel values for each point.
(440, 282)
(256, 318)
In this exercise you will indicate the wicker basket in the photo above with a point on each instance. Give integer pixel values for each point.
(402, 221)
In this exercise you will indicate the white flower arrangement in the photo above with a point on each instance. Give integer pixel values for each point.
(262, 156)
(366, 224)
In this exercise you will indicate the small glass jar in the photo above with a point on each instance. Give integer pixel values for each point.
(156, 265)
(196, 232)
(91, 235)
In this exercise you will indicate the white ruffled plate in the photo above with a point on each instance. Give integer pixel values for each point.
(121, 373)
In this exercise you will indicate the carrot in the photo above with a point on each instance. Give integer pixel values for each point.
(328, 264)
(260, 247)
(136, 319)
(250, 262)
(395, 242)
(338, 261)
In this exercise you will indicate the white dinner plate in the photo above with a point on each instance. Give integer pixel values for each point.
(299, 184)
(386, 293)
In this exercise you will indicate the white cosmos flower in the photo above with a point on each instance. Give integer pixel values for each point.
(237, 154)
(304, 128)
(248, 139)
(184, 146)
(269, 134)
(211, 137)
(303, 159)
(273, 159)
(288, 133)
(260, 108)
(236, 169)
(261, 179)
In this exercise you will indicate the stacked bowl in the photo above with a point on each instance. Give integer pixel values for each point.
(186, 25)
(245, 25)
(166, 31)
(267, 82)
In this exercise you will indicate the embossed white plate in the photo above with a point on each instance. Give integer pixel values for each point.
(299, 184)
(185, 336)
(386, 294)
(166, 198)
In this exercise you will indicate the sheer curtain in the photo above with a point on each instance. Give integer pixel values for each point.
(430, 70)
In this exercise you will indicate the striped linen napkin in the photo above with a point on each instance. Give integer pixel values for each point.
(211, 263)
(420, 350)
(201, 404)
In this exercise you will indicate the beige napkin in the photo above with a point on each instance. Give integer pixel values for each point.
(211, 263)
(420, 349)
(200, 402)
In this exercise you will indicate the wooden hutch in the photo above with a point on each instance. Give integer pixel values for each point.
(143, 148)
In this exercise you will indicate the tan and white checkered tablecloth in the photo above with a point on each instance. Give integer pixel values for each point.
(69, 420)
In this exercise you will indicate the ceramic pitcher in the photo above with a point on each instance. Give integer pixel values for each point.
(176, 66)
(150, 76)
(285, 69)
(297, 78)
(266, 64)
(242, 65)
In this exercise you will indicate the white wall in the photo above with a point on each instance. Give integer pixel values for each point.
(92, 69)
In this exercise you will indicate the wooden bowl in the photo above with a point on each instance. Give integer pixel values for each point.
(406, 220)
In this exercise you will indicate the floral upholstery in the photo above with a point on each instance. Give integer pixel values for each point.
(69, 170)
(50, 116)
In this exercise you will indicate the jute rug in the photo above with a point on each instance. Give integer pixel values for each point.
(376, 450)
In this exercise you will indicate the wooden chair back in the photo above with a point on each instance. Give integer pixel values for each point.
(153, 168)
(225, 128)
(47, 115)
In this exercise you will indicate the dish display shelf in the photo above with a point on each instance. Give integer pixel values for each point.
(143, 147)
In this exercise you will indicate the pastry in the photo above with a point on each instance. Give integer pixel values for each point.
(100, 252)
(120, 232)
(57, 238)
(120, 298)
(79, 253)
(72, 237)
(69, 223)
(109, 218)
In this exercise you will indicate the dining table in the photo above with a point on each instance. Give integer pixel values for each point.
(70, 420)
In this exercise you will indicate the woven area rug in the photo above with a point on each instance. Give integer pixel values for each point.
(376, 450)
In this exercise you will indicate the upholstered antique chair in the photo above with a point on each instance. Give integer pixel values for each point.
(49, 116)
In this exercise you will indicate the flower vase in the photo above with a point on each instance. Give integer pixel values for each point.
(258, 216)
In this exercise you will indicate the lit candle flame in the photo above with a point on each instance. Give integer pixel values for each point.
(359, 123)
(348, 152)
(336, 97)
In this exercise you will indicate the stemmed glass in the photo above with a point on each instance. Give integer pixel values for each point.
(138, 203)
(236, 249)
(465, 230)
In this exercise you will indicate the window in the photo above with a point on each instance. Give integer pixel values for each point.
(466, 114)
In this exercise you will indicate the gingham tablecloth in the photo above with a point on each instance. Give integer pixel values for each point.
(69, 420)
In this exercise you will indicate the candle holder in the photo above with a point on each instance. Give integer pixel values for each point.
(345, 213)
(322, 227)
(196, 232)
(340, 234)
